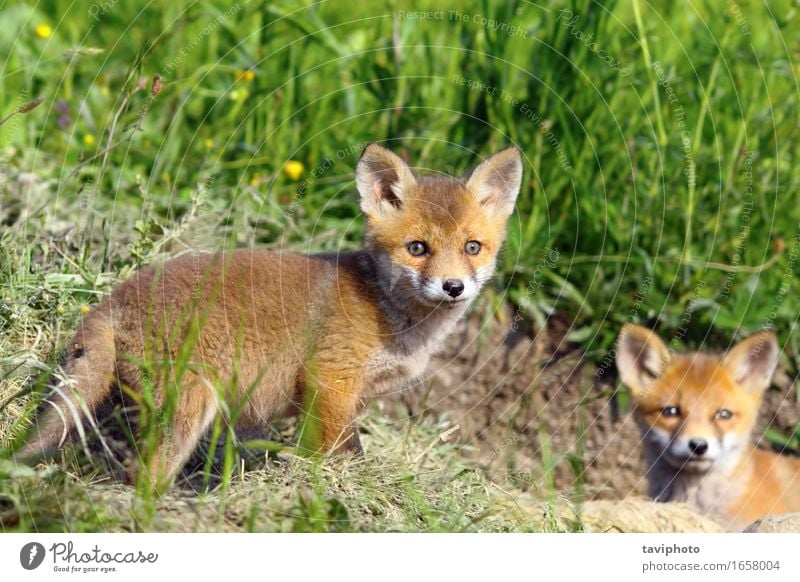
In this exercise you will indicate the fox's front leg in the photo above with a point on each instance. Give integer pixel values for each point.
(331, 402)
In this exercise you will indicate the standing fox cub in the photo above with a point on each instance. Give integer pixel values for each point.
(267, 333)
(697, 414)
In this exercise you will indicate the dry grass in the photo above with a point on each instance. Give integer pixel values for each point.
(409, 480)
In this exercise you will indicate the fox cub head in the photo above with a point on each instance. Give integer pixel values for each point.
(695, 410)
(435, 239)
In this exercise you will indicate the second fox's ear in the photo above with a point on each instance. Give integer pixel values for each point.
(641, 358)
(496, 181)
(383, 180)
(752, 361)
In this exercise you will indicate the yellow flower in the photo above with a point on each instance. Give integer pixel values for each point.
(255, 180)
(209, 143)
(239, 94)
(104, 91)
(88, 139)
(43, 31)
(84, 309)
(247, 75)
(293, 169)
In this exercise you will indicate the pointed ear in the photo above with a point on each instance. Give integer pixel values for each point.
(382, 180)
(641, 358)
(752, 362)
(497, 180)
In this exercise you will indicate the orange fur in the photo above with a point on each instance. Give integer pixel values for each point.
(268, 333)
(686, 400)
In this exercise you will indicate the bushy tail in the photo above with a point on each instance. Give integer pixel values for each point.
(90, 369)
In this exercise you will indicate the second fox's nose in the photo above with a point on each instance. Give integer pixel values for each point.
(698, 447)
(453, 287)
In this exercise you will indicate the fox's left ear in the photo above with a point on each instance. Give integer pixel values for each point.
(383, 180)
(752, 361)
(642, 357)
(496, 181)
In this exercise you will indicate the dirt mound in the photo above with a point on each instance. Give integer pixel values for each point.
(786, 523)
(643, 516)
(626, 516)
(538, 412)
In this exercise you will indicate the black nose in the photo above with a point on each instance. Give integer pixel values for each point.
(698, 447)
(453, 287)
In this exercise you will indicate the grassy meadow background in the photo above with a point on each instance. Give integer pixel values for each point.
(661, 144)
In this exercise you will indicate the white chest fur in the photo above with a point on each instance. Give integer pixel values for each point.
(405, 357)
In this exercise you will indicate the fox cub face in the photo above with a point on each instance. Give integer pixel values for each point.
(435, 238)
(695, 410)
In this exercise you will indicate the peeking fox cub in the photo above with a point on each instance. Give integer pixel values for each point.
(697, 413)
(252, 334)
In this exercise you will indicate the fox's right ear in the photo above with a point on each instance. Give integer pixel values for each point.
(641, 357)
(382, 180)
(752, 361)
(497, 180)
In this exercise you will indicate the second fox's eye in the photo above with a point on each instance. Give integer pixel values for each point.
(671, 411)
(417, 248)
(723, 414)
(473, 247)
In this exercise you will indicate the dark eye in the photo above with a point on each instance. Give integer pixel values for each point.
(723, 414)
(670, 411)
(473, 247)
(417, 248)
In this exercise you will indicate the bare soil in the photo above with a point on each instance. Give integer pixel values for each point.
(536, 411)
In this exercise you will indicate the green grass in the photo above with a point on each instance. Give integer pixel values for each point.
(417, 483)
(669, 190)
